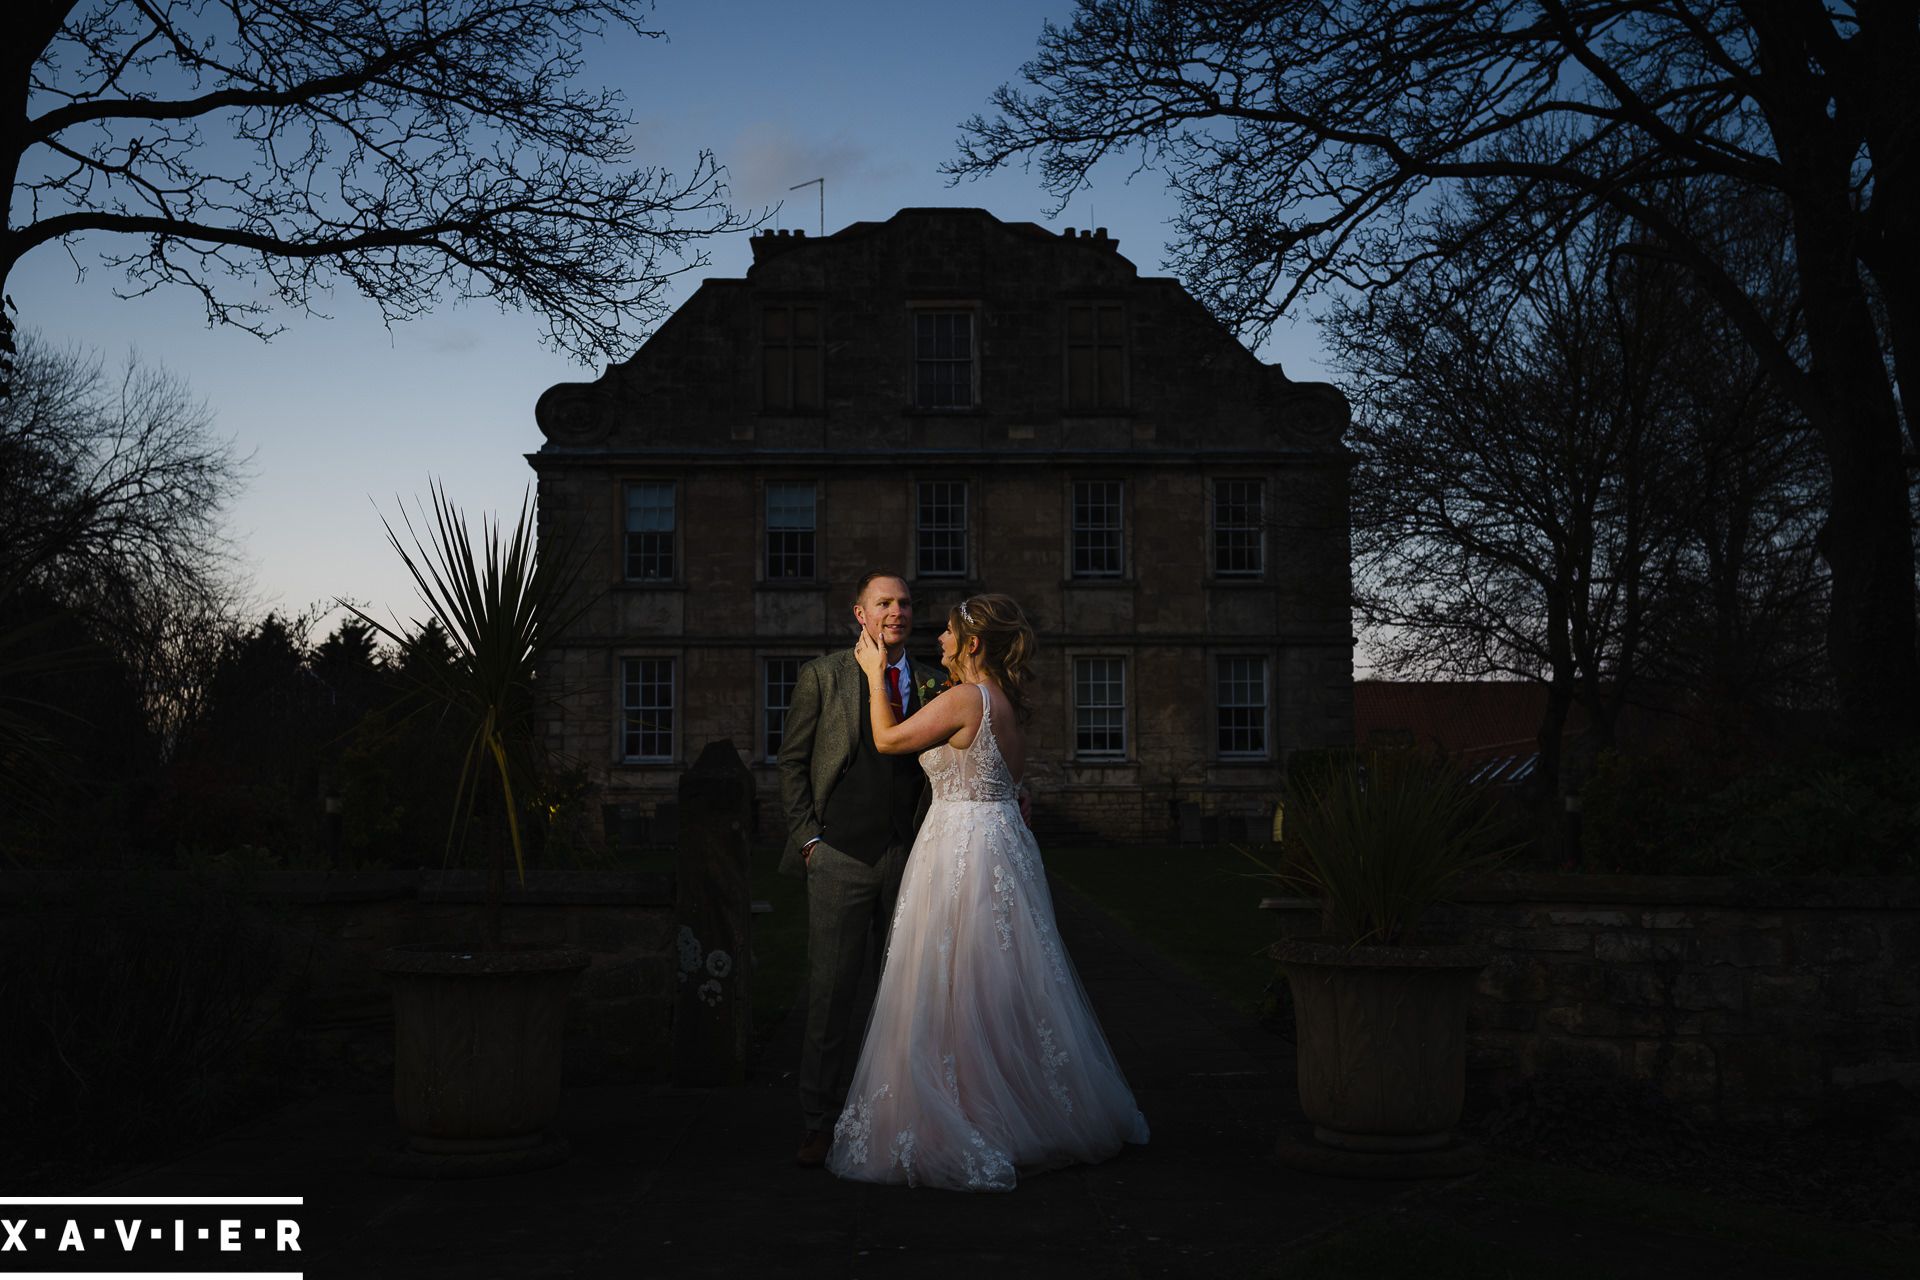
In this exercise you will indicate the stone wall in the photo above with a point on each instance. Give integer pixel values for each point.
(1741, 999)
(331, 927)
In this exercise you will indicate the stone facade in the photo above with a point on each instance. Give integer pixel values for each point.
(983, 406)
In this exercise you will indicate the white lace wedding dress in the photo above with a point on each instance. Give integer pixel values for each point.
(983, 1055)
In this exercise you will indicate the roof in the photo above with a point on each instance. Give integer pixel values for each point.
(1461, 717)
(767, 243)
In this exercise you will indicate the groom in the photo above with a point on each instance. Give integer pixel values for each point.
(851, 815)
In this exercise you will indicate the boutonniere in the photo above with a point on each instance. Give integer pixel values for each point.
(928, 688)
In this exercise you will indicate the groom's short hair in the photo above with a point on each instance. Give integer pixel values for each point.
(860, 587)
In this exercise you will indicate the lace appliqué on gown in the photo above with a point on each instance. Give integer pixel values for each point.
(855, 1127)
(983, 1054)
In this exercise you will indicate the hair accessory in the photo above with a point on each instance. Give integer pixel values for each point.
(964, 615)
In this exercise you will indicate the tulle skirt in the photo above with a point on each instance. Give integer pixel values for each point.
(983, 1056)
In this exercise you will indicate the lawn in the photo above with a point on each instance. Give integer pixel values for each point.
(1197, 905)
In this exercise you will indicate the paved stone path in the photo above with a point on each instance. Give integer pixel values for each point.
(678, 1183)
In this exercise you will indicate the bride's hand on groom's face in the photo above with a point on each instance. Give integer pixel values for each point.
(869, 654)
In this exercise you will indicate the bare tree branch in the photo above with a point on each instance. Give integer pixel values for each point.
(261, 150)
(1315, 145)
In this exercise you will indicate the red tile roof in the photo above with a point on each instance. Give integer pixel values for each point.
(1462, 717)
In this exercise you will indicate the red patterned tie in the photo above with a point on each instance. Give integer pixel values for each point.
(893, 690)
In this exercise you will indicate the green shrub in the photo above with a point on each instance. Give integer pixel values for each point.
(1383, 837)
(1819, 814)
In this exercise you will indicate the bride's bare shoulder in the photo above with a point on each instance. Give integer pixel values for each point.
(962, 704)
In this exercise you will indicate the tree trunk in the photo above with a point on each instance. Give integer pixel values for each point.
(1867, 541)
(1553, 723)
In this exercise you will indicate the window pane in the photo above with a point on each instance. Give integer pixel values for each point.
(1237, 513)
(790, 529)
(1099, 706)
(650, 506)
(942, 527)
(1240, 699)
(647, 709)
(790, 553)
(781, 676)
(943, 353)
(790, 504)
(1097, 551)
(949, 335)
(650, 531)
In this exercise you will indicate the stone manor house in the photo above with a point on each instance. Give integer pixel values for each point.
(982, 405)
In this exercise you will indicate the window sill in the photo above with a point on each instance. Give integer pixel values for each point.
(791, 584)
(631, 585)
(1228, 761)
(647, 765)
(1100, 584)
(1251, 580)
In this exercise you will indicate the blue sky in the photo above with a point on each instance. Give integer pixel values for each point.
(341, 413)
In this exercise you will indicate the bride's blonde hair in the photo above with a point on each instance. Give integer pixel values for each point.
(1007, 642)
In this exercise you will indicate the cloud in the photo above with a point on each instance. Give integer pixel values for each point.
(450, 340)
(767, 157)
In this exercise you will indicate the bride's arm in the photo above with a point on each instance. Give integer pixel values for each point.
(930, 726)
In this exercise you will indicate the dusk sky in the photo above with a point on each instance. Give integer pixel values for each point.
(339, 414)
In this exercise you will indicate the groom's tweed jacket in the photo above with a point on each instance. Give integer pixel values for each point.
(822, 734)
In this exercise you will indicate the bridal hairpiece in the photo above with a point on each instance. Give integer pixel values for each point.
(964, 615)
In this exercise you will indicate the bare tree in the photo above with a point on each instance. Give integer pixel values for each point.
(1308, 141)
(1573, 472)
(112, 489)
(1740, 625)
(256, 151)
(1517, 494)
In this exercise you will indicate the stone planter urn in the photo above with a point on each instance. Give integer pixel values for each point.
(476, 1071)
(1382, 1050)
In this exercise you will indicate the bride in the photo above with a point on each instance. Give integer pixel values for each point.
(983, 1054)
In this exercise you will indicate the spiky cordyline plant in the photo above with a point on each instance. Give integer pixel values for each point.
(1383, 839)
(500, 604)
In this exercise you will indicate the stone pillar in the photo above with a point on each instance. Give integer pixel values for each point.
(712, 904)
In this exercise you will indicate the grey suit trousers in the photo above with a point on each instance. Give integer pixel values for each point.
(849, 910)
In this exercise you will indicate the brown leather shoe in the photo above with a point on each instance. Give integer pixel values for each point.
(813, 1148)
